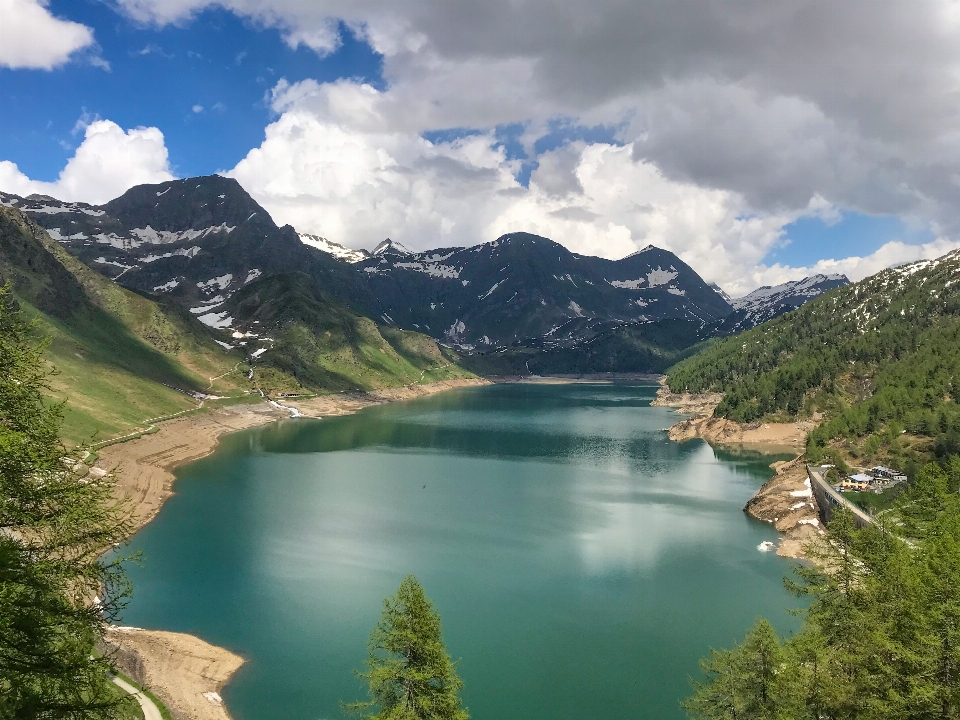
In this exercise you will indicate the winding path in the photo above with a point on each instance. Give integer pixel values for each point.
(150, 710)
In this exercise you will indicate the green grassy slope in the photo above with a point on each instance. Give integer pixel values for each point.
(321, 344)
(878, 361)
(119, 358)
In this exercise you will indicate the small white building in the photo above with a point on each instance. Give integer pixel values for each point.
(881, 471)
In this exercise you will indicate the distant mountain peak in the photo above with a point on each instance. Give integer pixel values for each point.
(648, 248)
(192, 203)
(390, 247)
(722, 293)
(768, 302)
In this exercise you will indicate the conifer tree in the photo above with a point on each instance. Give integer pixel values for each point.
(410, 674)
(745, 683)
(54, 526)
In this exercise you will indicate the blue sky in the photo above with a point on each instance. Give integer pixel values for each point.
(156, 77)
(806, 240)
(606, 127)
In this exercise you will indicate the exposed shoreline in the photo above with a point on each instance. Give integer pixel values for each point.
(785, 500)
(185, 672)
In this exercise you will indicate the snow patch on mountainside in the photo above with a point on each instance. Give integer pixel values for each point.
(167, 286)
(189, 252)
(627, 284)
(490, 291)
(661, 277)
(431, 269)
(168, 237)
(216, 320)
(220, 283)
(336, 249)
(55, 234)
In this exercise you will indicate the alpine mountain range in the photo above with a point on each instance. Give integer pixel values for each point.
(207, 245)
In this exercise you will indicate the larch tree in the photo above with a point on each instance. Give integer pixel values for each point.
(409, 672)
(56, 593)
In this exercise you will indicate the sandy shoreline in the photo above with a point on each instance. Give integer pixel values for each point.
(786, 500)
(184, 671)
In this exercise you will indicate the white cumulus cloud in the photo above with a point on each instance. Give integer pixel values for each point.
(762, 107)
(856, 267)
(107, 163)
(336, 163)
(30, 37)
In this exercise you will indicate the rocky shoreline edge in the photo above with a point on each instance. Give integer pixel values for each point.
(786, 500)
(185, 672)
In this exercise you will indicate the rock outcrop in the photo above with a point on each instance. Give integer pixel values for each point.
(787, 502)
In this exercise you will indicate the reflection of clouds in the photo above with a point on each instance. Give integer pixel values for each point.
(636, 535)
(610, 505)
(643, 516)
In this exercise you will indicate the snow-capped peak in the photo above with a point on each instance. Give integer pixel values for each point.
(391, 246)
(809, 287)
(336, 249)
(721, 292)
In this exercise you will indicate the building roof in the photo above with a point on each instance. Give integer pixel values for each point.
(860, 477)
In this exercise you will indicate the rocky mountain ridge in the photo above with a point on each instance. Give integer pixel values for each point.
(765, 303)
(200, 240)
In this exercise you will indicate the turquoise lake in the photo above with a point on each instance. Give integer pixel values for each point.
(581, 561)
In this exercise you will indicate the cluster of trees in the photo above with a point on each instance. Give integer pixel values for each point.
(881, 636)
(56, 594)
(877, 358)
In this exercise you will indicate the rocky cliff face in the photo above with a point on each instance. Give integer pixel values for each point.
(787, 502)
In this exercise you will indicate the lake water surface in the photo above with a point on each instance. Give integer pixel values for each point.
(581, 561)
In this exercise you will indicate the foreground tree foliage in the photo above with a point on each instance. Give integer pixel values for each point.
(410, 674)
(881, 636)
(54, 525)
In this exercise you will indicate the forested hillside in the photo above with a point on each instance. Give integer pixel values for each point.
(878, 639)
(878, 360)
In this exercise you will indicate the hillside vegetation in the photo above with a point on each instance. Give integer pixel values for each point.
(649, 347)
(120, 358)
(318, 343)
(878, 639)
(878, 360)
